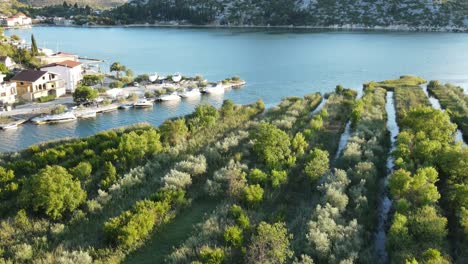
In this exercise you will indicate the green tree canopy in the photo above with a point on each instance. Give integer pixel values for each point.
(84, 94)
(52, 191)
(270, 244)
(318, 164)
(272, 145)
(174, 131)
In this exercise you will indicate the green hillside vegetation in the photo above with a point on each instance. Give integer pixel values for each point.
(244, 184)
(92, 3)
(413, 13)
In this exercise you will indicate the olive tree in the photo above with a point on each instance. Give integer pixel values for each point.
(270, 244)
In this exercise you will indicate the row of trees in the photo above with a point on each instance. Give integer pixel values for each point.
(454, 100)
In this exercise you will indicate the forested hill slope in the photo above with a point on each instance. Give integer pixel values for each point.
(420, 13)
(93, 3)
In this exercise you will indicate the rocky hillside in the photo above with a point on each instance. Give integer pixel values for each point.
(93, 3)
(413, 13)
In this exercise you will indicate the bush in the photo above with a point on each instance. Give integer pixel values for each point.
(272, 145)
(211, 256)
(116, 84)
(278, 178)
(253, 194)
(52, 191)
(317, 164)
(82, 171)
(258, 176)
(233, 236)
(45, 99)
(134, 225)
(59, 109)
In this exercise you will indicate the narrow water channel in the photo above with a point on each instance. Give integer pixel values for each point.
(385, 203)
(436, 104)
(319, 107)
(343, 140)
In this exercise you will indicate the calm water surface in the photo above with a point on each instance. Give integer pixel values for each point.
(275, 63)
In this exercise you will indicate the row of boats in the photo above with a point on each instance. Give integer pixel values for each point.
(72, 115)
(156, 77)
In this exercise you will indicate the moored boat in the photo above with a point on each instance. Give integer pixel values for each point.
(153, 77)
(187, 93)
(176, 77)
(52, 119)
(169, 97)
(144, 103)
(126, 106)
(215, 89)
(13, 125)
(88, 114)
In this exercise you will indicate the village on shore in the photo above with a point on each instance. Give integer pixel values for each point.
(56, 87)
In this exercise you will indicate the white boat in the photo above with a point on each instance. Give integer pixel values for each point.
(126, 106)
(169, 97)
(215, 89)
(187, 93)
(161, 77)
(88, 114)
(153, 77)
(176, 77)
(50, 119)
(143, 104)
(13, 125)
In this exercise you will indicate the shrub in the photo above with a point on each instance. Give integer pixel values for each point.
(271, 145)
(278, 178)
(177, 180)
(270, 244)
(116, 84)
(253, 194)
(257, 176)
(82, 171)
(317, 164)
(53, 192)
(211, 256)
(233, 236)
(134, 225)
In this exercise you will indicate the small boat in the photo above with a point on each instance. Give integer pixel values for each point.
(53, 119)
(143, 104)
(169, 97)
(125, 106)
(190, 93)
(153, 77)
(88, 114)
(162, 78)
(176, 77)
(13, 125)
(215, 89)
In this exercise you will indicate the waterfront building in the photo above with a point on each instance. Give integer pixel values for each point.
(7, 91)
(19, 19)
(69, 71)
(57, 57)
(32, 85)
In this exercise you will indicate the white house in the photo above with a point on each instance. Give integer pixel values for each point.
(57, 57)
(69, 71)
(7, 91)
(19, 19)
(8, 62)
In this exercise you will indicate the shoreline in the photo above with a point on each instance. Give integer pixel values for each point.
(348, 27)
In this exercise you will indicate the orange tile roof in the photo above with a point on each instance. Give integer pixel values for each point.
(67, 63)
